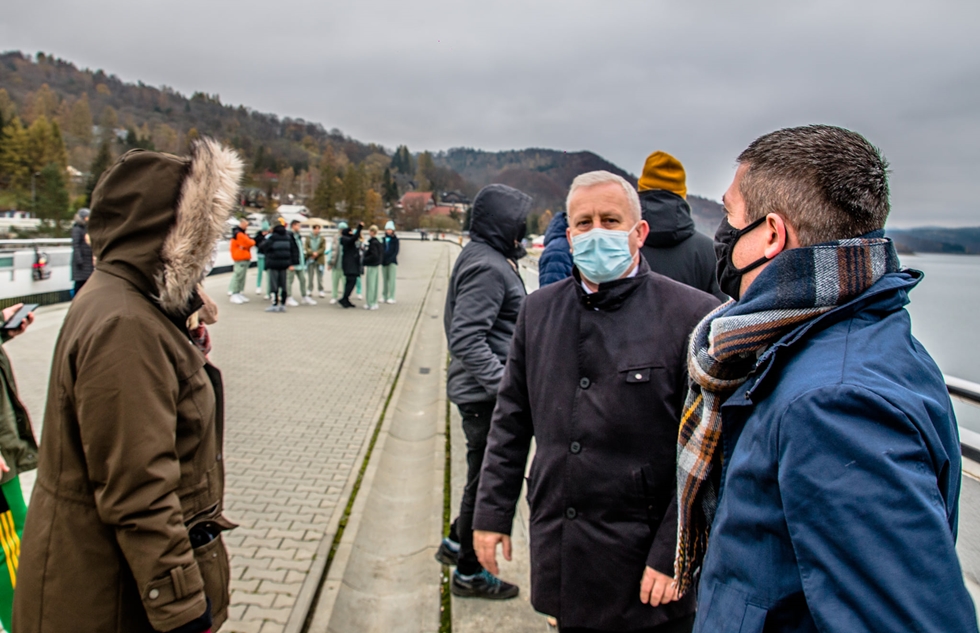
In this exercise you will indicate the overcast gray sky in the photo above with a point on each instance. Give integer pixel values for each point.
(620, 78)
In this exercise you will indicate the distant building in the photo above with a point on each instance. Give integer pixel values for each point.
(425, 197)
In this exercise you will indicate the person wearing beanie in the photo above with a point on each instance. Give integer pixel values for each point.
(315, 247)
(350, 261)
(373, 256)
(334, 264)
(260, 256)
(389, 263)
(674, 248)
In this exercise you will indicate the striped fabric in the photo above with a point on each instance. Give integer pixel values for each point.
(9, 541)
(797, 286)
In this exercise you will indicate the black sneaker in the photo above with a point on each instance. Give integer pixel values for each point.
(482, 585)
(448, 552)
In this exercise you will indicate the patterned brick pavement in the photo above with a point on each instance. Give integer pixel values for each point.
(303, 392)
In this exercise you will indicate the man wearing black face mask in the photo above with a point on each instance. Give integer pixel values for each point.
(823, 425)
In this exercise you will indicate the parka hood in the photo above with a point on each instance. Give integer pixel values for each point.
(499, 218)
(556, 228)
(156, 218)
(669, 217)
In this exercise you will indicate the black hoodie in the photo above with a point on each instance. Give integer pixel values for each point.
(674, 248)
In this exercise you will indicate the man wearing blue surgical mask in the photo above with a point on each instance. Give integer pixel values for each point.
(597, 376)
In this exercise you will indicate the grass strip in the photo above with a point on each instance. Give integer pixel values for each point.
(342, 525)
(445, 596)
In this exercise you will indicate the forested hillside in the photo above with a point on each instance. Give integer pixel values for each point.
(61, 126)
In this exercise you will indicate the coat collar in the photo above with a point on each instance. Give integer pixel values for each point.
(611, 295)
(888, 294)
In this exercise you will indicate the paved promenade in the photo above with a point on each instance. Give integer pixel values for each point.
(304, 391)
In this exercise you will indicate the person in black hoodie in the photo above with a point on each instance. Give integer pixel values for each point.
(674, 248)
(281, 254)
(484, 298)
(350, 261)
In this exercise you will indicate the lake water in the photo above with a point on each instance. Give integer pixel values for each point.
(945, 308)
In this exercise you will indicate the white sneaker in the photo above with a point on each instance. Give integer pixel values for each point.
(374, 307)
(360, 296)
(292, 303)
(322, 294)
(235, 299)
(258, 291)
(308, 300)
(230, 293)
(367, 307)
(390, 301)
(242, 296)
(333, 302)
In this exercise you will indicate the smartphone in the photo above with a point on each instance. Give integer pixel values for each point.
(18, 318)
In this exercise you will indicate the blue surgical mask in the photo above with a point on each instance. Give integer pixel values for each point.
(602, 255)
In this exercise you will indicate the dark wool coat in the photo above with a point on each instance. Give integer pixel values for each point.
(131, 463)
(673, 247)
(840, 484)
(351, 257)
(280, 249)
(81, 254)
(599, 381)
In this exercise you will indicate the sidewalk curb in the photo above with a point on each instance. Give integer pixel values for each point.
(319, 590)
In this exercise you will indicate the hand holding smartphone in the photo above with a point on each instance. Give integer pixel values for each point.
(17, 320)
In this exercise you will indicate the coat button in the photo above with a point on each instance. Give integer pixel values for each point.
(576, 448)
(571, 513)
(639, 376)
(584, 382)
(154, 594)
(218, 457)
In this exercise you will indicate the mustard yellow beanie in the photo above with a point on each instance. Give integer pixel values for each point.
(663, 171)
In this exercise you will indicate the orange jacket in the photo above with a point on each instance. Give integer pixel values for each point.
(241, 247)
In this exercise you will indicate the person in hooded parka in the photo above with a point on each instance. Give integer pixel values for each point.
(125, 522)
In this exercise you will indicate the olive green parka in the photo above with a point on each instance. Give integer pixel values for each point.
(131, 457)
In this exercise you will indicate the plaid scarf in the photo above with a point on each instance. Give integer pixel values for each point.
(797, 286)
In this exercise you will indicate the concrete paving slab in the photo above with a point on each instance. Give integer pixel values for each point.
(383, 581)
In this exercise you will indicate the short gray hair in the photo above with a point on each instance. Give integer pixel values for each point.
(601, 177)
(827, 182)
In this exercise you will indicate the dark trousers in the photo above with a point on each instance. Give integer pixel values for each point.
(349, 283)
(680, 625)
(78, 286)
(277, 286)
(476, 427)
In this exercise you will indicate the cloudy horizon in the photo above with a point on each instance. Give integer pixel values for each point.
(620, 80)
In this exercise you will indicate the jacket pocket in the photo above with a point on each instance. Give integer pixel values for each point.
(212, 559)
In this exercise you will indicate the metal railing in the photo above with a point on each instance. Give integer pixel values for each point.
(968, 392)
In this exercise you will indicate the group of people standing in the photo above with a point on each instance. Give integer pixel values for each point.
(786, 461)
(286, 256)
(737, 436)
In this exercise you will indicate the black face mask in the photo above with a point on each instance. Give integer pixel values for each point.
(730, 277)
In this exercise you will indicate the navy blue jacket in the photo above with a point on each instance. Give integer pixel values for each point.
(556, 260)
(840, 484)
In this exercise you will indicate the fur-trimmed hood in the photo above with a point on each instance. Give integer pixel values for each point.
(156, 218)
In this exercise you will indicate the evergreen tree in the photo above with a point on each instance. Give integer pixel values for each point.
(426, 170)
(101, 162)
(52, 196)
(389, 190)
(402, 161)
(326, 196)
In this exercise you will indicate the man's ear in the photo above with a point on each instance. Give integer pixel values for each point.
(777, 238)
(644, 230)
